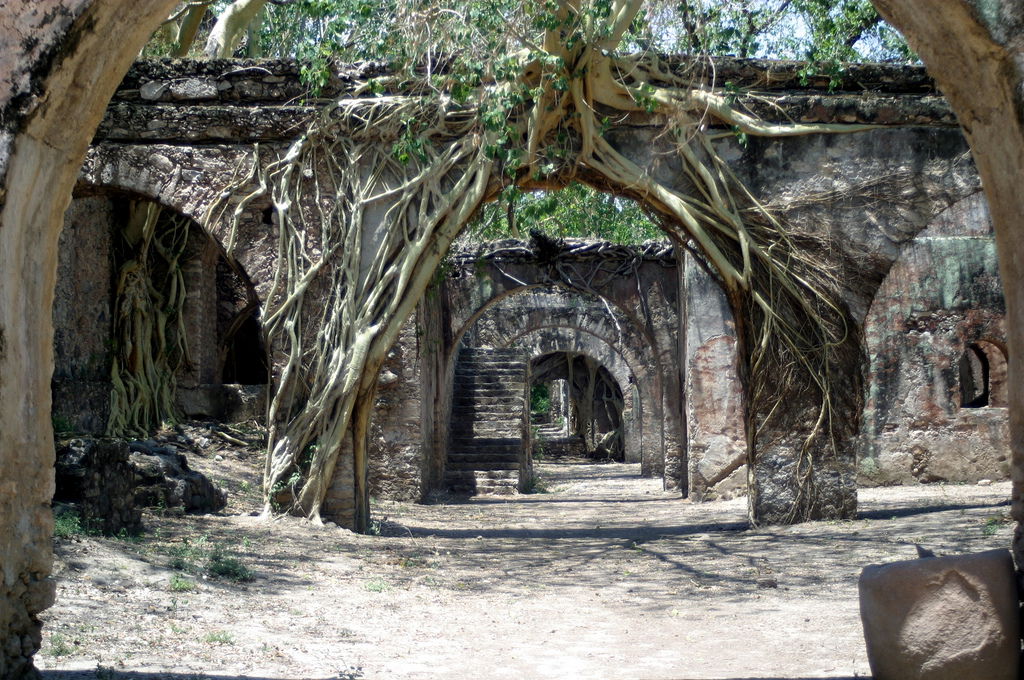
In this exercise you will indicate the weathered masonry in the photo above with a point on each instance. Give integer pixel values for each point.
(902, 199)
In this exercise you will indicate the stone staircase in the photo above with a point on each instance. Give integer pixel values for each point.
(550, 441)
(486, 451)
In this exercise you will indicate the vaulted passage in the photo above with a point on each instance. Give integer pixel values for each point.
(656, 317)
(585, 408)
(151, 321)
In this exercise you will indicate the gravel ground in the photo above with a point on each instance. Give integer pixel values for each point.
(603, 576)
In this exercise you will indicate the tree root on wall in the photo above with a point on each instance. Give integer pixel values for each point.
(368, 200)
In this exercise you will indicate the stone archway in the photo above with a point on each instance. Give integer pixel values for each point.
(942, 297)
(59, 64)
(592, 406)
(498, 304)
(215, 337)
(642, 432)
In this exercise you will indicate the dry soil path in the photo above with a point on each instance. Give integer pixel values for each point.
(604, 576)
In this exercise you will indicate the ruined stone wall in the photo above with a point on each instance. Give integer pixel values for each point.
(635, 310)
(872, 191)
(83, 318)
(396, 452)
(942, 294)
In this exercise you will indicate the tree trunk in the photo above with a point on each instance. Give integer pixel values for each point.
(973, 50)
(230, 25)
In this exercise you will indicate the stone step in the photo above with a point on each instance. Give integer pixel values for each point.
(503, 362)
(464, 372)
(484, 461)
(471, 447)
(510, 402)
(469, 433)
(471, 377)
(489, 390)
(513, 362)
(504, 386)
(466, 437)
(490, 410)
(493, 441)
(470, 397)
(482, 467)
(489, 352)
(467, 483)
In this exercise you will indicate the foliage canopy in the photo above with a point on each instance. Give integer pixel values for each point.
(459, 44)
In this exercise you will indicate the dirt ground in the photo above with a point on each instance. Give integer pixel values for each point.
(602, 576)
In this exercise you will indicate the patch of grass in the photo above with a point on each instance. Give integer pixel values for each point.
(180, 584)
(994, 522)
(413, 562)
(219, 637)
(187, 556)
(67, 524)
(59, 646)
(225, 566)
(536, 484)
(200, 557)
(378, 585)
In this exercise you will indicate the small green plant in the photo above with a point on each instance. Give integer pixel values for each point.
(128, 537)
(536, 484)
(993, 523)
(377, 585)
(199, 556)
(376, 526)
(186, 557)
(225, 566)
(62, 424)
(67, 524)
(180, 584)
(59, 646)
(219, 637)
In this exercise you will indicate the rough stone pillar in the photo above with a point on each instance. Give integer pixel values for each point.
(715, 427)
(83, 317)
(60, 61)
(199, 269)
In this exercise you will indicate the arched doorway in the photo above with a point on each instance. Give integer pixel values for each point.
(174, 278)
(585, 408)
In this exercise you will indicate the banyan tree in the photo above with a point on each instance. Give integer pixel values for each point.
(400, 164)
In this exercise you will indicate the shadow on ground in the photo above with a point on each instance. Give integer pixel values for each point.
(355, 674)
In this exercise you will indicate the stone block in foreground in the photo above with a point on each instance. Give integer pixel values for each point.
(942, 618)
